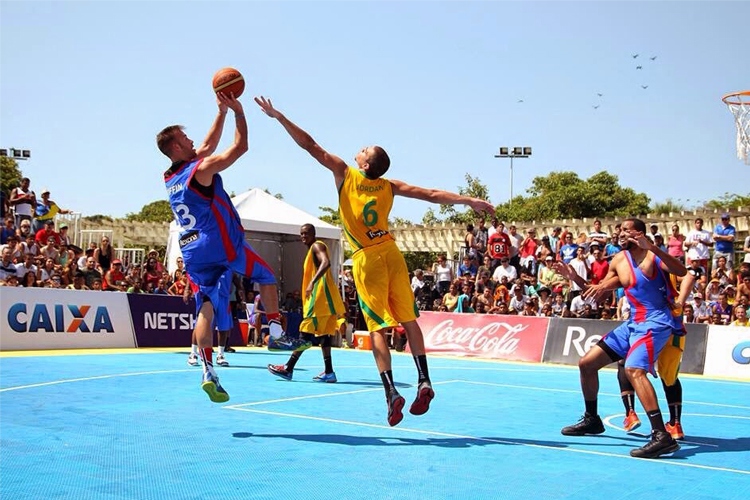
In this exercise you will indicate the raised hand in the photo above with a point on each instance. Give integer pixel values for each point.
(481, 206)
(230, 102)
(641, 240)
(267, 106)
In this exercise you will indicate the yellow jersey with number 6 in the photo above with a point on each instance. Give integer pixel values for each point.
(364, 207)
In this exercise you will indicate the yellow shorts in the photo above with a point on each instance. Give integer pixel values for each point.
(382, 282)
(321, 325)
(668, 363)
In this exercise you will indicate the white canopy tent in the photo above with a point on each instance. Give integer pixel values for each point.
(272, 228)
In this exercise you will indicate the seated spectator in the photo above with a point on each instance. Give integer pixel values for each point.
(463, 304)
(467, 266)
(49, 251)
(688, 314)
(740, 316)
(502, 294)
(10, 280)
(450, 299)
(133, 274)
(65, 255)
(723, 308)
(417, 281)
(29, 246)
(24, 231)
(578, 307)
(90, 273)
(96, 284)
(7, 267)
(480, 308)
(713, 292)
(701, 310)
(604, 313)
(137, 286)
(544, 250)
(8, 229)
(79, 282)
(16, 251)
(518, 300)
(69, 272)
(114, 279)
(483, 282)
(505, 270)
(722, 273)
(151, 274)
(44, 234)
(63, 235)
(743, 286)
(46, 272)
(558, 305)
(27, 265)
(500, 308)
(55, 282)
(443, 274)
(486, 267)
(180, 282)
(546, 310)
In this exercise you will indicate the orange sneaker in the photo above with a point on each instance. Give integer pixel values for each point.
(675, 430)
(631, 422)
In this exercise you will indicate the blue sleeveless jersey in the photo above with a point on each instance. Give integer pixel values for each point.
(212, 231)
(651, 297)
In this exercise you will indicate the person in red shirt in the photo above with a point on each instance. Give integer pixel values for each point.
(46, 232)
(498, 246)
(599, 266)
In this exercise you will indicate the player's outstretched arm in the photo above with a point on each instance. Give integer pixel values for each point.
(211, 142)
(668, 263)
(305, 141)
(215, 164)
(438, 196)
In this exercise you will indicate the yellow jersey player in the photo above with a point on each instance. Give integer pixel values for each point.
(380, 274)
(322, 309)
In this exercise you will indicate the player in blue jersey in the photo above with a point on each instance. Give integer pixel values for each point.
(640, 268)
(212, 240)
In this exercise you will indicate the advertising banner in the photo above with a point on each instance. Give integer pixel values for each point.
(46, 318)
(517, 338)
(161, 320)
(728, 352)
(569, 339)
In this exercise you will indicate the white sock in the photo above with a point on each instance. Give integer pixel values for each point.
(194, 349)
(274, 329)
(221, 350)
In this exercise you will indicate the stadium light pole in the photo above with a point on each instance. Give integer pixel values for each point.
(516, 152)
(16, 154)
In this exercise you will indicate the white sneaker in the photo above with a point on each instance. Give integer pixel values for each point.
(193, 360)
(221, 360)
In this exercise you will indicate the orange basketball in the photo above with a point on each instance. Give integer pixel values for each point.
(229, 81)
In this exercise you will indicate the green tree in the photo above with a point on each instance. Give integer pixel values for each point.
(565, 195)
(278, 196)
(156, 211)
(728, 200)
(331, 216)
(667, 206)
(429, 218)
(399, 221)
(10, 174)
(420, 260)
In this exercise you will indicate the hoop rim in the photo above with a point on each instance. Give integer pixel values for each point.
(735, 102)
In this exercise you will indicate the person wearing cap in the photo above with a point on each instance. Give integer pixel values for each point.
(724, 235)
(46, 210)
(701, 310)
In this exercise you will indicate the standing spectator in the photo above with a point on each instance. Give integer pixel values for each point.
(4, 207)
(544, 250)
(697, 242)
(498, 246)
(480, 238)
(746, 249)
(180, 269)
(597, 235)
(45, 210)
(470, 243)
(724, 235)
(515, 247)
(568, 250)
(496, 226)
(103, 256)
(659, 241)
(613, 247)
(443, 274)
(676, 244)
(554, 240)
(581, 267)
(599, 267)
(528, 252)
(23, 200)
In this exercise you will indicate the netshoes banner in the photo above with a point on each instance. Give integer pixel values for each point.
(47, 318)
(518, 338)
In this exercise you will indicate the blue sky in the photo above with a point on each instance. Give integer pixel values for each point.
(87, 85)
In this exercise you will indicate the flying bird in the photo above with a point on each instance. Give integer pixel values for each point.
(596, 107)
(639, 67)
(635, 55)
(653, 58)
(520, 100)
(644, 86)
(599, 94)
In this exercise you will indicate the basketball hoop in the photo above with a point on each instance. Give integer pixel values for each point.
(739, 104)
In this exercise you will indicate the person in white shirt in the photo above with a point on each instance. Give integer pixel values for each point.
(26, 266)
(417, 280)
(701, 310)
(581, 266)
(577, 305)
(697, 242)
(7, 267)
(597, 235)
(505, 269)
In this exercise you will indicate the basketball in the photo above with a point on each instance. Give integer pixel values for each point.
(229, 81)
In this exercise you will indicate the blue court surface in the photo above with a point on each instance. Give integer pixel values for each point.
(136, 425)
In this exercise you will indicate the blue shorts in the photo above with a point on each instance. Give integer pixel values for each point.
(639, 343)
(250, 265)
(214, 286)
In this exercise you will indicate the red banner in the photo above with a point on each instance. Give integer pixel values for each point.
(516, 338)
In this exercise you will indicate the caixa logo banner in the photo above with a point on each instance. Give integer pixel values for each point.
(68, 318)
(741, 353)
(44, 318)
(728, 352)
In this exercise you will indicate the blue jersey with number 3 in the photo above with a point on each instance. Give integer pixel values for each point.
(212, 231)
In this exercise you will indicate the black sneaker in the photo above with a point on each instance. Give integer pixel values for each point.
(589, 424)
(661, 443)
(425, 394)
(396, 403)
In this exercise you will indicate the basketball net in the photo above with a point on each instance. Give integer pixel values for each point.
(739, 104)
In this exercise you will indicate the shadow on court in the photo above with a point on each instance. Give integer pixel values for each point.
(443, 442)
(698, 445)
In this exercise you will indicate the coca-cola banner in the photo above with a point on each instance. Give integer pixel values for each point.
(516, 338)
(570, 339)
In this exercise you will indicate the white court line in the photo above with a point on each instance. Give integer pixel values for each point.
(315, 396)
(100, 377)
(577, 391)
(488, 440)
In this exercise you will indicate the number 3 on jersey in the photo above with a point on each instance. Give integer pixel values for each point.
(369, 214)
(182, 213)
